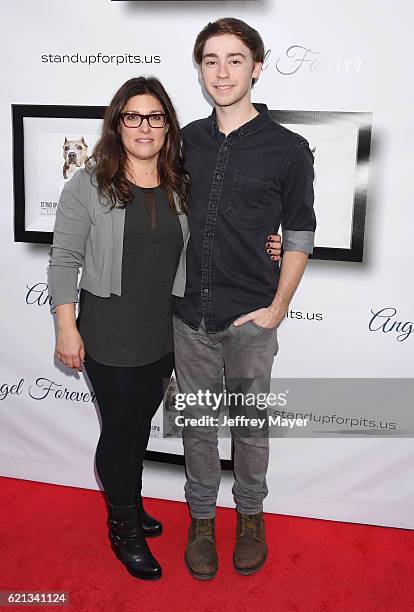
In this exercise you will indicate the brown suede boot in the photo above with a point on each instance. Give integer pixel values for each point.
(250, 551)
(201, 554)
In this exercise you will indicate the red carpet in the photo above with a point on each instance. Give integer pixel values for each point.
(55, 538)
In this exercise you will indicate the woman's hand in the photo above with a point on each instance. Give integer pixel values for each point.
(69, 348)
(274, 246)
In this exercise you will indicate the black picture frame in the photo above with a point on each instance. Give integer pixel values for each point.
(363, 122)
(19, 113)
(174, 459)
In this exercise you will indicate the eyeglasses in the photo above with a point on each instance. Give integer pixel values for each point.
(134, 120)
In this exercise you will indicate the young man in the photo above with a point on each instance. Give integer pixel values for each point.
(248, 176)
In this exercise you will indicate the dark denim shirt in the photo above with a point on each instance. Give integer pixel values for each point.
(243, 187)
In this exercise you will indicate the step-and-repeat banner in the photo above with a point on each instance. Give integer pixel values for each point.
(336, 74)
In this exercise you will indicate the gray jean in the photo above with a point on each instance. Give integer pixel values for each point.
(242, 359)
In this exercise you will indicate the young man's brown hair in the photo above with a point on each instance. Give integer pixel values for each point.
(228, 25)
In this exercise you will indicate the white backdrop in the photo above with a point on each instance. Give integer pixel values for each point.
(363, 59)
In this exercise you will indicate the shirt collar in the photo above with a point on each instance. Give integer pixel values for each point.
(251, 126)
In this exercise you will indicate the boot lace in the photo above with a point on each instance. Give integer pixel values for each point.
(250, 524)
(203, 527)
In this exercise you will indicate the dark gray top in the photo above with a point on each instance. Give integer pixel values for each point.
(88, 234)
(135, 328)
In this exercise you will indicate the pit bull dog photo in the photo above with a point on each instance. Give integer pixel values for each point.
(75, 153)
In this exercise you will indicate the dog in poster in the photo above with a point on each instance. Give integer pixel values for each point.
(75, 153)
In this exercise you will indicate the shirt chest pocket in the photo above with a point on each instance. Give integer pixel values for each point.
(250, 200)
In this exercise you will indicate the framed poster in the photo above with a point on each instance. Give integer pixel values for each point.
(340, 142)
(50, 144)
(165, 442)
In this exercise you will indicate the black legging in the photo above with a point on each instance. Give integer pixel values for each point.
(128, 399)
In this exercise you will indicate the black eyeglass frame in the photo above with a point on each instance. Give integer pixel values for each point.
(142, 117)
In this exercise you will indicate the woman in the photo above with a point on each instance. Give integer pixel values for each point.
(120, 219)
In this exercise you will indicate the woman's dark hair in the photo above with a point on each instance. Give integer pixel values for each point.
(108, 158)
(228, 25)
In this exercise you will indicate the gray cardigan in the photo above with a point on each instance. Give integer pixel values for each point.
(88, 234)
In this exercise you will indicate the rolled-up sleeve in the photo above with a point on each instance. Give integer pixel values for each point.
(298, 215)
(71, 230)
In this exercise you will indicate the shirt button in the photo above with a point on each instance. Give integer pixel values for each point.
(205, 290)
(218, 177)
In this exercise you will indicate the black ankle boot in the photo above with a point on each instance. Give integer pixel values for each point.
(151, 528)
(129, 544)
